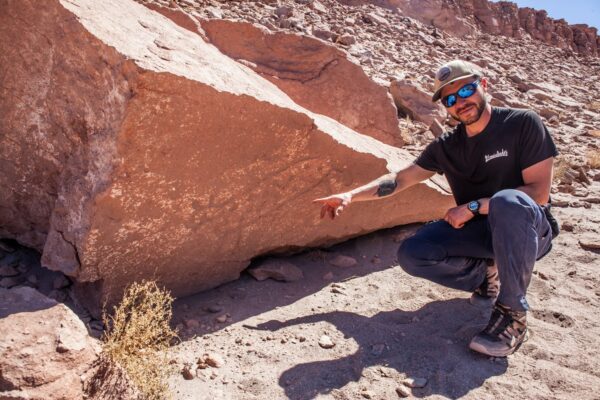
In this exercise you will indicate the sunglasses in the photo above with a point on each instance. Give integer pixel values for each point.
(466, 91)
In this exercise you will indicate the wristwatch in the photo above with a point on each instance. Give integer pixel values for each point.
(473, 206)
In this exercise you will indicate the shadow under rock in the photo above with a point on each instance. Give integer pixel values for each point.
(246, 297)
(432, 345)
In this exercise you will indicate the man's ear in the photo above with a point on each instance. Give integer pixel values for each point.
(484, 83)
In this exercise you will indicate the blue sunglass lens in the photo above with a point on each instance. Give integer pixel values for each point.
(450, 100)
(466, 90)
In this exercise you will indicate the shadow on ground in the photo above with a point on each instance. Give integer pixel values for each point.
(410, 342)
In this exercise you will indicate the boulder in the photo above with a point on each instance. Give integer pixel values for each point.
(316, 75)
(45, 348)
(414, 101)
(133, 149)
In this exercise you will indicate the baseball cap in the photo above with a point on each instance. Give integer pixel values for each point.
(450, 72)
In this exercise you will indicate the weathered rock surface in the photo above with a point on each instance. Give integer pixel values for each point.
(315, 75)
(415, 102)
(501, 18)
(136, 150)
(44, 350)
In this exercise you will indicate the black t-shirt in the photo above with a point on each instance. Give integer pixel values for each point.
(484, 164)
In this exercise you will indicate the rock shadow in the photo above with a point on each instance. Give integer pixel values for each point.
(430, 342)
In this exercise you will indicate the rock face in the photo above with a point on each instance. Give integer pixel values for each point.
(45, 348)
(501, 18)
(315, 75)
(134, 149)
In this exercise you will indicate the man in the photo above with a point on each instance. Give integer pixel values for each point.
(498, 162)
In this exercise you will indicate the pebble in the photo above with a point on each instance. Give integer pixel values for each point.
(222, 318)
(326, 342)
(214, 309)
(366, 394)
(328, 276)
(192, 323)
(590, 242)
(60, 282)
(342, 261)
(403, 391)
(414, 382)
(214, 360)
(187, 373)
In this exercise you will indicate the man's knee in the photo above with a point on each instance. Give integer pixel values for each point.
(508, 202)
(414, 254)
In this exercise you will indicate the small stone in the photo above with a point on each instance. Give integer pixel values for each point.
(366, 394)
(568, 226)
(403, 391)
(60, 282)
(8, 270)
(222, 318)
(343, 261)
(192, 323)
(276, 269)
(346, 39)
(301, 338)
(337, 290)
(214, 309)
(212, 360)
(413, 382)
(326, 342)
(32, 278)
(284, 12)
(590, 242)
(328, 276)
(187, 373)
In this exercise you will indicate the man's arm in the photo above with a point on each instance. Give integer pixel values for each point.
(537, 181)
(383, 186)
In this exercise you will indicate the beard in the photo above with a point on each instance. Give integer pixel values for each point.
(474, 113)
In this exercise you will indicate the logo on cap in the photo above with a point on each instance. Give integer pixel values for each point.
(443, 73)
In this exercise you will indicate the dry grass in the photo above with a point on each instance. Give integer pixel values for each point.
(594, 105)
(138, 335)
(561, 166)
(593, 158)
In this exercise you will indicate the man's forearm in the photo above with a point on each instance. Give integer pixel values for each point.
(371, 189)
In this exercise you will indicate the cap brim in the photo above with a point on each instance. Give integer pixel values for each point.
(436, 96)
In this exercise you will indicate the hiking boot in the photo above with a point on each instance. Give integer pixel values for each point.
(503, 335)
(485, 295)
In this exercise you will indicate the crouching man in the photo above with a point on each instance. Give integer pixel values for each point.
(498, 162)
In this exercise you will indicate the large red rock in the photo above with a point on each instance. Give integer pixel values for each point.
(134, 149)
(314, 74)
(45, 349)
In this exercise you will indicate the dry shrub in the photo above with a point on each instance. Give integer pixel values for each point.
(594, 105)
(138, 336)
(593, 158)
(561, 166)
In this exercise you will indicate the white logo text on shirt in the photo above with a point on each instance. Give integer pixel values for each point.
(499, 153)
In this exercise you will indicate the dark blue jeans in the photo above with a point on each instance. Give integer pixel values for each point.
(515, 234)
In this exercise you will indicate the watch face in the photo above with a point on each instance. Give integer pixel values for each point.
(473, 206)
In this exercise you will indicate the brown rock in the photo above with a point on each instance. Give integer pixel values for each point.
(44, 349)
(147, 141)
(276, 269)
(590, 241)
(343, 261)
(415, 102)
(315, 75)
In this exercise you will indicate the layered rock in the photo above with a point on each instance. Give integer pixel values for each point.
(137, 150)
(501, 18)
(45, 349)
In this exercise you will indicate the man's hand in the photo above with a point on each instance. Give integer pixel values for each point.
(334, 205)
(458, 216)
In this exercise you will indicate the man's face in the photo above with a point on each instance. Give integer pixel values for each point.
(469, 110)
